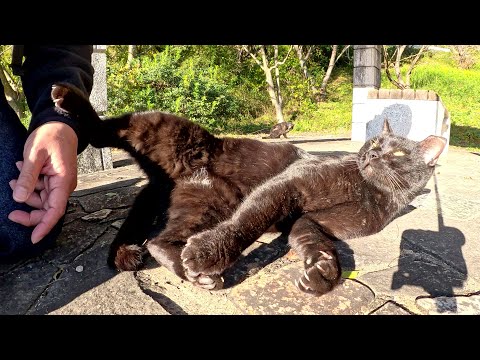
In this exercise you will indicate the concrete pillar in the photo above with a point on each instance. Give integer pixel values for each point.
(367, 64)
(91, 159)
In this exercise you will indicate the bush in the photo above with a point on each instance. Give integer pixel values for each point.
(169, 82)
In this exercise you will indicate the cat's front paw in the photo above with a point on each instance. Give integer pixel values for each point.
(322, 273)
(204, 258)
(207, 282)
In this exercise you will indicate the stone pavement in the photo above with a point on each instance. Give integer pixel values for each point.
(424, 262)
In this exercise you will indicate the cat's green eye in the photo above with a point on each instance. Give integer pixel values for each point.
(399, 153)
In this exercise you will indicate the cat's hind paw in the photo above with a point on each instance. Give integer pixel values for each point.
(58, 94)
(69, 98)
(128, 257)
(321, 274)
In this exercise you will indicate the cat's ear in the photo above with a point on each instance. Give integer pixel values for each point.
(386, 127)
(432, 147)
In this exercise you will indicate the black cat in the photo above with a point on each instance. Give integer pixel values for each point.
(350, 196)
(198, 180)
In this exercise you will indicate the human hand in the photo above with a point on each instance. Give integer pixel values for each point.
(48, 175)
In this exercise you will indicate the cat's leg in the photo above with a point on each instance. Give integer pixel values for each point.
(211, 252)
(127, 251)
(166, 250)
(317, 250)
(197, 204)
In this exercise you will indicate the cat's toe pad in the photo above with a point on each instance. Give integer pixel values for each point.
(321, 275)
(207, 282)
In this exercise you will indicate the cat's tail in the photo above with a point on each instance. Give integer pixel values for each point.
(70, 101)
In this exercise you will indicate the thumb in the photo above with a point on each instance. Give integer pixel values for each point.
(28, 178)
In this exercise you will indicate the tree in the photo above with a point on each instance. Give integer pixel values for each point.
(131, 53)
(333, 60)
(464, 55)
(273, 86)
(11, 84)
(396, 59)
(302, 59)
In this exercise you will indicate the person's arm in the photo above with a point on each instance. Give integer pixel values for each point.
(48, 172)
(46, 65)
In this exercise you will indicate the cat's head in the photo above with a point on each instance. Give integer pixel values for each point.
(397, 164)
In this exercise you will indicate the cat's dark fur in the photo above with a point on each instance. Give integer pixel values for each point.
(217, 196)
(280, 129)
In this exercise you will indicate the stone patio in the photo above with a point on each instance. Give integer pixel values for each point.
(424, 262)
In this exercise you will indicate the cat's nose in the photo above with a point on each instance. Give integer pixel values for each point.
(372, 155)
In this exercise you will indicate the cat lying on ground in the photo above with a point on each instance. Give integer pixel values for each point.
(216, 196)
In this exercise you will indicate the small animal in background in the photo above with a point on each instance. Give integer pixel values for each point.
(280, 129)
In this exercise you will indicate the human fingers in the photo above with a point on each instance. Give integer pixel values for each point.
(40, 185)
(28, 177)
(36, 199)
(27, 218)
(46, 224)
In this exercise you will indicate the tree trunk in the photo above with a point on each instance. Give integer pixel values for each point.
(14, 97)
(271, 86)
(277, 82)
(326, 78)
(400, 50)
(302, 59)
(131, 53)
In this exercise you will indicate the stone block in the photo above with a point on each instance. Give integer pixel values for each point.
(395, 94)
(421, 94)
(384, 93)
(432, 95)
(372, 94)
(408, 94)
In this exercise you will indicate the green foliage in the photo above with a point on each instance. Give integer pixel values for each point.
(183, 81)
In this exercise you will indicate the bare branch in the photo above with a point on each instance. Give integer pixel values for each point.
(387, 69)
(401, 49)
(413, 64)
(244, 47)
(309, 52)
(341, 53)
(278, 63)
(331, 64)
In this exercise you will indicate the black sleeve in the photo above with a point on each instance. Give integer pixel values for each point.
(45, 65)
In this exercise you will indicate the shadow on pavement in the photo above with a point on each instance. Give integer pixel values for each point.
(432, 260)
